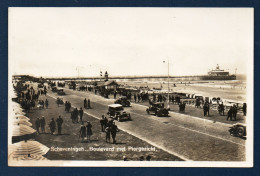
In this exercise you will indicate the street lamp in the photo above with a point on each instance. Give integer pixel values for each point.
(168, 99)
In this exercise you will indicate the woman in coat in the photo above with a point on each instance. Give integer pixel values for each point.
(89, 130)
(82, 132)
(52, 126)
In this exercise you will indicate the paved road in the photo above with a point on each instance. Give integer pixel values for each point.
(185, 136)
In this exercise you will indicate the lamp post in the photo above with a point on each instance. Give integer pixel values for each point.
(168, 106)
(168, 99)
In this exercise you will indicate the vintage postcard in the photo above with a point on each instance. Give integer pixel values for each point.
(130, 87)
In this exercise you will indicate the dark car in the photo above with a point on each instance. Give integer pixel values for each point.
(157, 109)
(54, 89)
(123, 101)
(40, 85)
(238, 129)
(60, 92)
(116, 111)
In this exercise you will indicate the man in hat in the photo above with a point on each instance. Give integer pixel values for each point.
(46, 103)
(108, 132)
(82, 132)
(114, 130)
(85, 103)
(89, 104)
(42, 122)
(59, 124)
(89, 131)
(81, 114)
(37, 125)
(102, 123)
(52, 126)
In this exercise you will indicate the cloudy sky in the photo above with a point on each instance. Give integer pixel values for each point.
(129, 41)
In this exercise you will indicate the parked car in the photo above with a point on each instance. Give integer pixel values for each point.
(157, 109)
(123, 101)
(238, 129)
(116, 111)
(40, 85)
(60, 92)
(54, 89)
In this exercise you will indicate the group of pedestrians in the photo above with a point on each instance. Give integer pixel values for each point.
(67, 106)
(53, 125)
(77, 115)
(182, 106)
(232, 113)
(85, 131)
(40, 123)
(42, 104)
(110, 128)
(87, 104)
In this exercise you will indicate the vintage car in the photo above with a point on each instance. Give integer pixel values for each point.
(54, 89)
(116, 111)
(40, 85)
(238, 129)
(157, 109)
(59, 101)
(123, 101)
(60, 92)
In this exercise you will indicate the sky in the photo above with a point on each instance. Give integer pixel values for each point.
(71, 42)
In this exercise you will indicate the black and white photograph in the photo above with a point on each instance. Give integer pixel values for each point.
(130, 87)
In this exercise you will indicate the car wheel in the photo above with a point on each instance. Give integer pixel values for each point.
(240, 131)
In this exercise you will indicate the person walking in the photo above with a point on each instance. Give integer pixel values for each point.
(37, 125)
(89, 131)
(81, 114)
(229, 114)
(59, 122)
(234, 112)
(69, 106)
(76, 118)
(66, 106)
(114, 130)
(52, 126)
(207, 104)
(89, 104)
(244, 109)
(42, 121)
(221, 109)
(205, 109)
(108, 133)
(102, 123)
(105, 122)
(46, 103)
(85, 103)
(82, 132)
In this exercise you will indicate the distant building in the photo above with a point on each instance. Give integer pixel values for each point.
(218, 72)
(107, 85)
